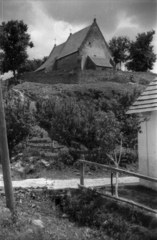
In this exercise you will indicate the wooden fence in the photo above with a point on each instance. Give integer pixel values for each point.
(112, 170)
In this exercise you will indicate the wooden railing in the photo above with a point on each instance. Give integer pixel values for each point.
(112, 170)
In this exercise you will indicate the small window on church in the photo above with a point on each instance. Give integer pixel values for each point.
(90, 44)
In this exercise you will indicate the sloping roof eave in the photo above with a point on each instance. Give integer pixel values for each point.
(67, 55)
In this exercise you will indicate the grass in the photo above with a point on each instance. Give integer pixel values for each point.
(136, 193)
(86, 76)
(107, 220)
(117, 220)
(41, 85)
(38, 90)
(38, 205)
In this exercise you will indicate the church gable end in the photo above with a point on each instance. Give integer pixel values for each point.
(94, 45)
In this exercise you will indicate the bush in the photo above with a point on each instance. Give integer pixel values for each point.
(65, 158)
(78, 124)
(144, 81)
(116, 220)
(19, 121)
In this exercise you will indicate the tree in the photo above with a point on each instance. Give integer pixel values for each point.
(31, 65)
(119, 48)
(14, 41)
(19, 121)
(141, 53)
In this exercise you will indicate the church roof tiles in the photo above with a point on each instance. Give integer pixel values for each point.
(74, 42)
(70, 46)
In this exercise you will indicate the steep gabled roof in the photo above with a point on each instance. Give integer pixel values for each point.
(72, 45)
(101, 62)
(147, 101)
(74, 42)
(52, 57)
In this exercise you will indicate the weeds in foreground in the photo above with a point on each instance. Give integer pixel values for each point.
(115, 220)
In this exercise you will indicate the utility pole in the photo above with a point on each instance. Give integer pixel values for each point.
(4, 155)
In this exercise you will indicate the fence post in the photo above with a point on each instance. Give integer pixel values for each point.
(112, 183)
(82, 171)
(4, 155)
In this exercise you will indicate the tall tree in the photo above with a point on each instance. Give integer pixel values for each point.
(31, 65)
(119, 48)
(14, 41)
(142, 56)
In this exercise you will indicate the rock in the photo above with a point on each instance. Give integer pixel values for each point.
(20, 154)
(2, 193)
(5, 212)
(29, 231)
(65, 216)
(30, 169)
(18, 168)
(30, 159)
(105, 223)
(38, 223)
(13, 158)
(45, 163)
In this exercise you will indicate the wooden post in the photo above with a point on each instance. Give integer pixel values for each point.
(112, 183)
(82, 171)
(5, 156)
(116, 186)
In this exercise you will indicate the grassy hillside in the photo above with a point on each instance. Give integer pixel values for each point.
(107, 89)
(87, 76)
(83, 83)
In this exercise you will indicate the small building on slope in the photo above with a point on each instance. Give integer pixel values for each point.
(146, 105)
(85, 49)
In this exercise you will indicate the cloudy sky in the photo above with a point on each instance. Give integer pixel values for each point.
(48, 20)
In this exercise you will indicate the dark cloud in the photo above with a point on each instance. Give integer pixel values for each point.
(144, 10)
(82, 11)
(106, 12)
(17, 10)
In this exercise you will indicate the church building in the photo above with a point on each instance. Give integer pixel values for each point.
(85, 49)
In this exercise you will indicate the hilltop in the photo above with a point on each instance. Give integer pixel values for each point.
(82, 83)
(87, 76)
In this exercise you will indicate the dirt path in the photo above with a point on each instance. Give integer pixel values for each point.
(68, 183)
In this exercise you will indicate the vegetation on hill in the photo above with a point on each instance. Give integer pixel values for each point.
(14, 41)
(73, 113)
(93, 122)
(19, 121)
(114, 219)
(87, 76)
(141, 56)
(138, 55)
